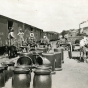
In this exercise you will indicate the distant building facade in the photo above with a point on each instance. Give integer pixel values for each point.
(85, 30)
(73, 32)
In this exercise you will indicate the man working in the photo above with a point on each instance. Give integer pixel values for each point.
(11, 37)
(21, 37)
(83, 48)
(32, 41)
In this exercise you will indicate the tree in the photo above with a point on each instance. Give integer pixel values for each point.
(64, 32)
(82, 34)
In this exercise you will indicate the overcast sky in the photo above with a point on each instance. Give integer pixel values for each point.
(49, 15)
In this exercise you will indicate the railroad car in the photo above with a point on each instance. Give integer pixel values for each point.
(51, 35)
(6, 23)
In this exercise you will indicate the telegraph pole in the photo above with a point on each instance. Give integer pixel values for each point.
(80, 25)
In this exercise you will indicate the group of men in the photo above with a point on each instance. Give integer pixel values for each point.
(29, 41)
(44, 41)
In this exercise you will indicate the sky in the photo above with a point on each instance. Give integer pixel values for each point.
(49, 15)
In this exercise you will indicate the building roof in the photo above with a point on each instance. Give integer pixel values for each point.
(19, 21)
(51, 32)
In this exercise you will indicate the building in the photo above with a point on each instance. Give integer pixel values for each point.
(73, 32)
(85, 30)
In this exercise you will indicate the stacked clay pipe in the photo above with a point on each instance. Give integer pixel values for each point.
(21, 77)
(9, 71)
(22, 72)
(32, 55)
(42, 49)
(42, 77)
(51, 58)
(6, 72)
(58, 63)
(60, 49)
(2, 77)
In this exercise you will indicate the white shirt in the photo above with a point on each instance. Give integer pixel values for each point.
(11, 34)
(82, 42)
(21, 34)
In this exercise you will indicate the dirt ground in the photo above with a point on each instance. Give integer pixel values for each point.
(73, 74)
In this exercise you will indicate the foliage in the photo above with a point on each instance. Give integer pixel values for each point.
(81, 34)
(64, 32)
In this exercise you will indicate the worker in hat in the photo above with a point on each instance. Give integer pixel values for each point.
(83, 48)
(32, 40)
(11, 37)
(45, 41)
(21, 36)
(31, 37)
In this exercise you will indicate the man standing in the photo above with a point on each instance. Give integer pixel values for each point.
(83, 48)
(32, 37)
(21, 36)
(12, 52)
(32, 41)
(46, 42)
(11, 37)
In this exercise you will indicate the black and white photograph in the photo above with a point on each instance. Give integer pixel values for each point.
(43, 43)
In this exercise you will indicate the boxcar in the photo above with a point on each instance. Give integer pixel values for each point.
(6, 22)
(51, 35)
(3, 30)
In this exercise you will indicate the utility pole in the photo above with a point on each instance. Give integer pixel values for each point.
(80, 25)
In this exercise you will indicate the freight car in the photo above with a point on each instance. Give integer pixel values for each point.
(37, 32)
(53, 36)
(6, 23)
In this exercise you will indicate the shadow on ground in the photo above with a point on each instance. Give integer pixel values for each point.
(78, 59)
